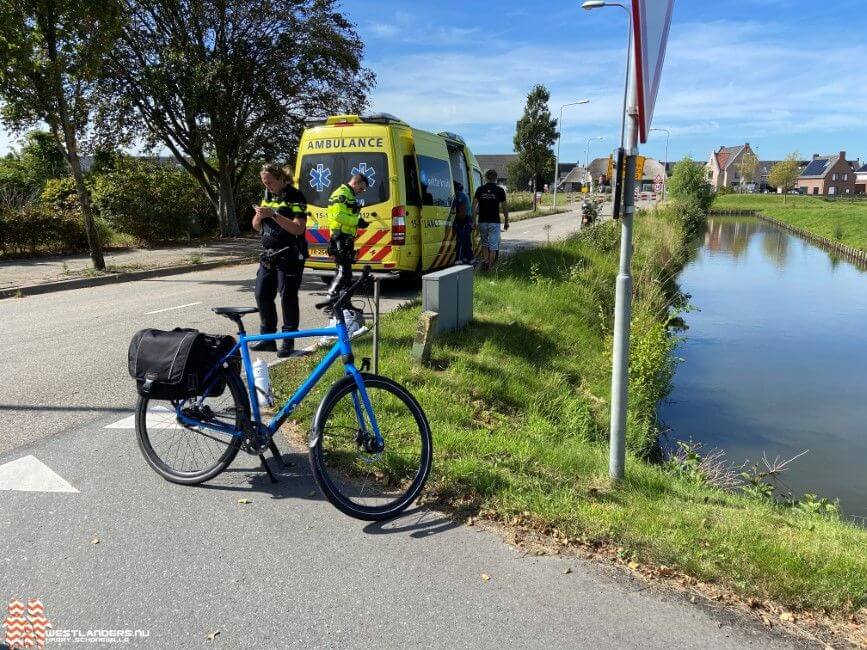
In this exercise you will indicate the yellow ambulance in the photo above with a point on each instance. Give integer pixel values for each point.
(407, 204)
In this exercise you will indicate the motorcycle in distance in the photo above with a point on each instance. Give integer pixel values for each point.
(589, 212)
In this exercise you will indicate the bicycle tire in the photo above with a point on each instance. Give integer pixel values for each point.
(241, 411)
(326, 482)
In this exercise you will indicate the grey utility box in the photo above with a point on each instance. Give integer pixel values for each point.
(450, 294)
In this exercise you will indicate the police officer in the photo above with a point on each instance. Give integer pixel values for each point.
(282, 219)
(344, 221)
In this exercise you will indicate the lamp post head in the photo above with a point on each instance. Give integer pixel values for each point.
(592, 4)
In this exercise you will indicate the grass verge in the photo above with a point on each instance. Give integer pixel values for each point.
(518, 402)
(839, 220)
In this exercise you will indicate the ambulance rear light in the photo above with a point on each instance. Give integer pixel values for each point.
(398, 226)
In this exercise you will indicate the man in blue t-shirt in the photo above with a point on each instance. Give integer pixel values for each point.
(463, 226)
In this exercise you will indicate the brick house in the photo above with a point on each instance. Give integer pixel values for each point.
(828, 176)
(722, 167)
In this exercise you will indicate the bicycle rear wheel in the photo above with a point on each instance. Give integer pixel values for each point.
(192, 455)
(358, 479)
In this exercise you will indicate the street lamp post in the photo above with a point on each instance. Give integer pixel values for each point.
(665, 162)
(623, 297)
(559, 136)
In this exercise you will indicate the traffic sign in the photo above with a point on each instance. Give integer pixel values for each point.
(651, 21)
(657, 183)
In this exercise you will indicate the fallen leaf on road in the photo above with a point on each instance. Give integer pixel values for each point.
(95, 540)
(244, 502)
(212, 636)
(753, 603)
(692, 599)
(633, 565)
(567, 570)
(787, 616)
(485, 577)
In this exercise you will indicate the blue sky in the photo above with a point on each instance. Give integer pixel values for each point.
(784, 75)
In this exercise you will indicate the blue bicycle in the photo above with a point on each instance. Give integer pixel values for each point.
(370, 445)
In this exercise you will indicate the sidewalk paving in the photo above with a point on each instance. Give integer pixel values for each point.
(44, 270)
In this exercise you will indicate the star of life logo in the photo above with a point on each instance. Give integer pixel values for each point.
(27, 628)
(364, 170)
(320, 177)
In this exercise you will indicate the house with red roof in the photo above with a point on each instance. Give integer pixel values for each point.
(723, 166)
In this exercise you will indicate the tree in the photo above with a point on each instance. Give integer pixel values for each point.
(688, 184)
(224, 83)
(23, 174)
(785, 173)
(747, 167)
(51, 52)
(535, 135)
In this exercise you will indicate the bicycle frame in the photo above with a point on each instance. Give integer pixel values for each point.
(341, 348)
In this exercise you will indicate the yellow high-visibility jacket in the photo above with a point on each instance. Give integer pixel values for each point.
(343, 209)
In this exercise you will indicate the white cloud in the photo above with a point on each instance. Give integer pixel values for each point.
(723, 79)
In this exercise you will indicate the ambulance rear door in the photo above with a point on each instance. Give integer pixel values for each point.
(435, 181)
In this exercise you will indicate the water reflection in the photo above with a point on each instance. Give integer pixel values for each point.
(775, 358)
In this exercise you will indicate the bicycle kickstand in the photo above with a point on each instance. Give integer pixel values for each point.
(268, 469)
(276, 453)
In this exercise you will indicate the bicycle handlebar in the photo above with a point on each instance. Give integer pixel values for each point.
(337, 302)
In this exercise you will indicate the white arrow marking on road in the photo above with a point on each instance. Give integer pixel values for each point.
(29, 474)
(159, 311)
(157, 417)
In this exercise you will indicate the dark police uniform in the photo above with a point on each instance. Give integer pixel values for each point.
(281, 273)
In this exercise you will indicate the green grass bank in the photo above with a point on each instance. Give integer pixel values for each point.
(839, 220)
(518, 402)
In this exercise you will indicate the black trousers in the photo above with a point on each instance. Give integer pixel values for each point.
(343, 249)
(280, 276)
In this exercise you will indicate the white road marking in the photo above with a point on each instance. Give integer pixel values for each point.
(29, 474)
(159, 311)
(158, 416)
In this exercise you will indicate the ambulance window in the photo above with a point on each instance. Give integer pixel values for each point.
(413, 195)
(321, 174)
(459, 167)
(436, 181)
(477, 179)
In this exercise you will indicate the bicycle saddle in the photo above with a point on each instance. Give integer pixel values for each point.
(234, 311)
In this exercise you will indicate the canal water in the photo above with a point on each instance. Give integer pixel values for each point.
(775, 358)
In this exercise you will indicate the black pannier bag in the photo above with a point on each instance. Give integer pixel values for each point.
(173, 365)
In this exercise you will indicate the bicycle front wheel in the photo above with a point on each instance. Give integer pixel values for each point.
(358, 477)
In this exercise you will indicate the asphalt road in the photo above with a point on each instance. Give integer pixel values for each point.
(64, 354)
(122, 549)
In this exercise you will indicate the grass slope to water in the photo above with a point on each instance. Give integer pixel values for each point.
(838, 220)
(518, 403)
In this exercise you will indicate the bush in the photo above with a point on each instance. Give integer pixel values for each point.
(725, 189)
(689, 184)
(152, 202)
(36, 229)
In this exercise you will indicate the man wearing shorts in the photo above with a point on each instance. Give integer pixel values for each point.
(487, 202)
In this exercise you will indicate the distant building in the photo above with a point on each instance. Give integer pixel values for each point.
(723, 166)
(497, 162)
(861, 180)
(575, 179)
(827, 176)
